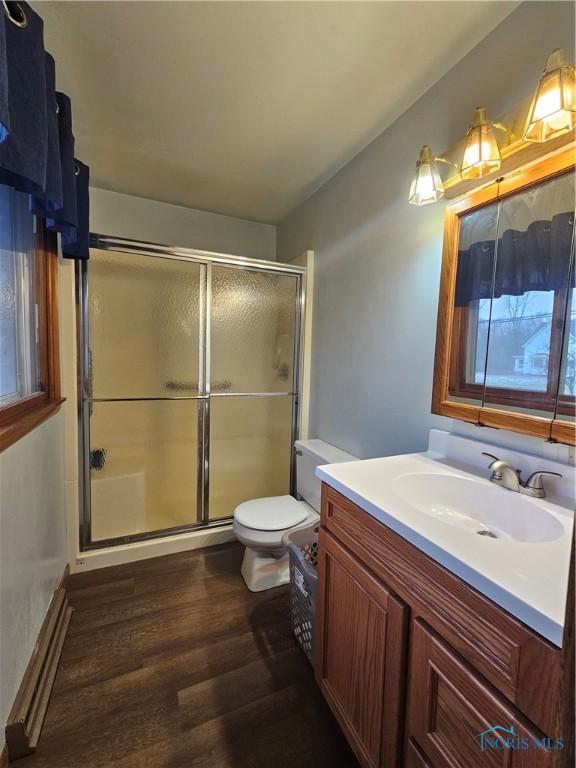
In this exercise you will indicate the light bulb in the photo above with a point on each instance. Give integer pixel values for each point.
(553, 108)
(426, 185)
(481, 154)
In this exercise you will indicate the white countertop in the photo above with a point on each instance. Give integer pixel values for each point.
(527, 579)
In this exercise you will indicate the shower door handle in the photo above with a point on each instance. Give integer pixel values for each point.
(221, 386)
(192, 386)
(181, 386)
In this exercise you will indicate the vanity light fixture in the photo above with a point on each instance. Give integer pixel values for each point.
(427, 185)
(553, 108)
(481, 154)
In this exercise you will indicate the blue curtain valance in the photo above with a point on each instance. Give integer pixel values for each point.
(537, 259)
(75, 241)
(51, 200)
(23, 151)
(64, 218)
(36, 139)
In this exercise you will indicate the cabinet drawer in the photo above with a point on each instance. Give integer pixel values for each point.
(361, 646)
(450, 708)
(519, 663)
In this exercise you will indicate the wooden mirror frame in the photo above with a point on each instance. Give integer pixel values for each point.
(538, 426)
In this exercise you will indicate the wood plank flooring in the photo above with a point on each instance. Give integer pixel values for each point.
(173, 663)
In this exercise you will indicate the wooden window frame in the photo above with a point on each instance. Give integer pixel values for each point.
(21, 417)
(452, 324)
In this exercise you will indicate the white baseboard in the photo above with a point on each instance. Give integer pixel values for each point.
(143, 550)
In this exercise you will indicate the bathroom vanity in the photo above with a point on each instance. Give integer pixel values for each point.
(428, 634)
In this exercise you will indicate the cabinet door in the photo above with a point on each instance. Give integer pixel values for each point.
(450, 707)
(414, 757)
(361, 651)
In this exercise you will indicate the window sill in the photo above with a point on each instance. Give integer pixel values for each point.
(11, 433)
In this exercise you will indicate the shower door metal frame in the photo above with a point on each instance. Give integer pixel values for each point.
(85, 399)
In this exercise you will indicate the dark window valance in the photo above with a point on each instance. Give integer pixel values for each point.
(75, 242)
(537, 259)
(51, 200)
(36, 139)
(64, 219)
(23, 152)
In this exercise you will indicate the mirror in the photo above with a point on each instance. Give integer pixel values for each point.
(506, 341)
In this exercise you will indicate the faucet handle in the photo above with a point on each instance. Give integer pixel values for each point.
(535, 479)
(496, 473)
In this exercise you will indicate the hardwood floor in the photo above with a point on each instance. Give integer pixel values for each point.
(173, 663)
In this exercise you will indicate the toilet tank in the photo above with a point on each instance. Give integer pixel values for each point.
(309, 455)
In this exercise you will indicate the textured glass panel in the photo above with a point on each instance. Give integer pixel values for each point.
(250, 450)
(474, 277)
(144, 325)
(568, 372)
(143, 466)
(253, 331)
(565, 410)
(19, 349)
(535, 230)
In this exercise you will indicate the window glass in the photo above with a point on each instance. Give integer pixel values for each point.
(565, 405)
(521, 335)
(568, 379)
(535, 228)
(512, 301)
(474, 277)
(19, 347)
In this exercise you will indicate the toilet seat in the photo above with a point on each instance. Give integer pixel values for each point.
(260, 525)
(273, 513)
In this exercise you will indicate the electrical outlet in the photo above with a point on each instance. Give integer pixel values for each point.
(80, 563)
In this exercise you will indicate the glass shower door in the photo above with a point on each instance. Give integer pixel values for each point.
(146, 412)
(189, 394)
(253, 331)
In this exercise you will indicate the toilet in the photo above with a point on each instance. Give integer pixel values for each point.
(260, 524)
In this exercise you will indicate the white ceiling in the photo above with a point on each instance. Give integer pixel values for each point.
(246, 108)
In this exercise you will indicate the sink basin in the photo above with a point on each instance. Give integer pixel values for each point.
(478, 507)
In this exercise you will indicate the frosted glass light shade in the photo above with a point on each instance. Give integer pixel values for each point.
(481, 154)
(426, 185)
(553, 108)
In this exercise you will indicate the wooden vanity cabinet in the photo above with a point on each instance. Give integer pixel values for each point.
(361, 669)
(415, 663)
(450, 705)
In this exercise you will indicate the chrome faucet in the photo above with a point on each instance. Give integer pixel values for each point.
(504, 474)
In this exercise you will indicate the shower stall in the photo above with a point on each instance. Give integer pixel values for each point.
(188, 387)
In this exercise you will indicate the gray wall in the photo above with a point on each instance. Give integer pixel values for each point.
(378, 258)
(32, 546)
(112, 213)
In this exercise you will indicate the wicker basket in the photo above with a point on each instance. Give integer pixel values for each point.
(302, 545)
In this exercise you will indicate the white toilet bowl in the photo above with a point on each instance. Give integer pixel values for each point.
(260, 524)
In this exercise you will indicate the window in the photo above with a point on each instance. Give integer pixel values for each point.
(505, 347)
(29, 376)
(520, 369)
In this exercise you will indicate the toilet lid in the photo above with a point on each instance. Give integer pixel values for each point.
(271, 514)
